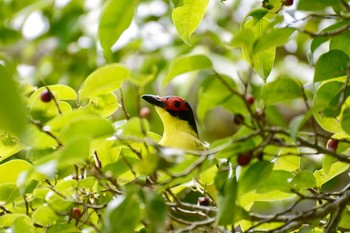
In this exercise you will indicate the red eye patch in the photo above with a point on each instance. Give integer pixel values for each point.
(175, 103)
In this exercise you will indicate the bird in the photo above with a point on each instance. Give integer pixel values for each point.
(180, 130)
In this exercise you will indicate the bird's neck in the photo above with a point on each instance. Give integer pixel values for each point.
(178, 133)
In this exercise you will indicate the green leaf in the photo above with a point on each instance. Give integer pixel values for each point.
(187, 17)
(227, 201)
(13, 169)
(44, 216)
(8, 192)
(44, 111)
(122, 215)
(262, 61)
(133, 127)
(104, 80)
(257, 14)
(278, 180)
(326, 105)
(331, 65)
(9, 145)
(345, 118)
(341, 42)
(104, 105)
(213, 93)
(186, 64)
(87, 127)
(156, 211)
(280, 90)
(255, 175)
(23, 224)
(298, 123)
(59, 91)
(313, 6)
(116, 17)
(8, 219)
(336, 169)
(12, 117)
(76, 152)
(304, 179)
(275, 38)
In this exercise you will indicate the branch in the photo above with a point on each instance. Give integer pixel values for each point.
(325, 33)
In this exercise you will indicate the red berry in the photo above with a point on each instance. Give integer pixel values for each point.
(244, 159)
(287, 2)
(203, 201)
(46, 96)
(250, 99)
(332, 144)
(145, 112)
(76, 213)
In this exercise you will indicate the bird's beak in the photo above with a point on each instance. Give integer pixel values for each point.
(155, 100)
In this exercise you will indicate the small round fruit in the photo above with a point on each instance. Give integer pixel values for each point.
(332, 144)
(76, 213)
(203, 201)
(250, 99)
(238, 119)
(244, 159)
(287, 2)
(145, 112)
(260, 114)
(46, 96)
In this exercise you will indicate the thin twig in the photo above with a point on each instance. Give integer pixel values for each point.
(127, 116)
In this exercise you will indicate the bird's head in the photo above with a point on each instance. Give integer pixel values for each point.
(172, 108)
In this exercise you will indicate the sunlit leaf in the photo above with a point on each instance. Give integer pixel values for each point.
(116, 17)
(13, 169)
(8, 192)
(335, 170)
(87, 127)
(304, 179)
(44, 216)
(9, 146)
(186, 64)
(275, 38)
(104, 105)
(262, 61)
(104, 80)
(187, 17)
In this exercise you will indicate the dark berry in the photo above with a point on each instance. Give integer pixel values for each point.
(287, 2)
(332, 144)
(46, 96)
(145, 112)
(238, 119)
(260, 114)
(76, 213)
(244, 159)
(203, 201)
(250, 99)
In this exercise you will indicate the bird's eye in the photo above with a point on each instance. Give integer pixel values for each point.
(177, 104)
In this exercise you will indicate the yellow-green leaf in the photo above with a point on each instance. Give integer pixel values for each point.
(188, 16)
(104, 80)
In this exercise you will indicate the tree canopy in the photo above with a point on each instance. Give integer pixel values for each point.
(268, 81)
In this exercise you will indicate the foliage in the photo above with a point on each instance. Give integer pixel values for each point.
(270, 89)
